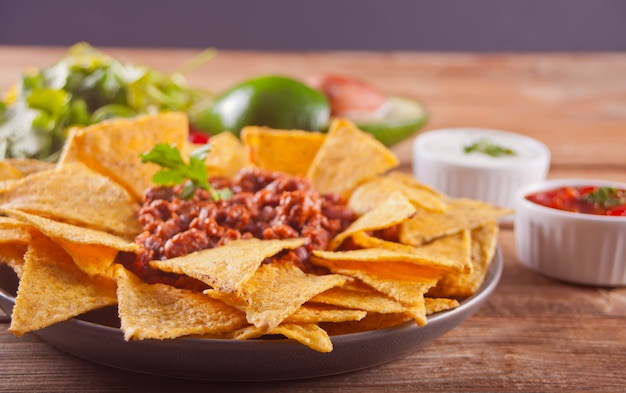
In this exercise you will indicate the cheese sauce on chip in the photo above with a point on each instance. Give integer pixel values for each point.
(264, 205)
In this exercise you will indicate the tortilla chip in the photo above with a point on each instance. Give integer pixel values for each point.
(455, 247)
(277, 290)
(483, 245)
(228, 267)
(408, 291)
(12, 255)
(435, 305)
(94, 252)
(27, 166)
(371, 301)
(62, 231)
(52, 289)
(8, 172)
(160, 311)
(76, 195)
(226, 157)
(14, 239)
(347, 158)
(113, 147)
(370, 194)
(461, 213)
(410, 180)
(315, 313)
(392, 211)
(309, 334)
(383, 255)
(289, 151)
(13, 230)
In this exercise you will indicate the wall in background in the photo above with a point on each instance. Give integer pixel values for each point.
(426, 25)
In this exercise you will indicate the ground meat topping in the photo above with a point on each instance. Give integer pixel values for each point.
(264, 205)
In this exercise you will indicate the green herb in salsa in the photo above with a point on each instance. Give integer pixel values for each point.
(489, 148)
(608, 201)
(176, 171)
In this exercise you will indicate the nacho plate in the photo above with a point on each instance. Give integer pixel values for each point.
(96, 337)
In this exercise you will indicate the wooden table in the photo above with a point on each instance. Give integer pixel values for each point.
(534, 334)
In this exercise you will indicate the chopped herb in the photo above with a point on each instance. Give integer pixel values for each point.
(175, 171)
(484, 146)
(605, 197)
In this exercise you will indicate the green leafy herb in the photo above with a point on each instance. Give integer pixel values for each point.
(175, 171)
(83, 88)
(484, 146)
(605, 197)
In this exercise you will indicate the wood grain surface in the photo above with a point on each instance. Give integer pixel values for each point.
(534, 333)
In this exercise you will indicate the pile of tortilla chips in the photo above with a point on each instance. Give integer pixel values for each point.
(62, 226)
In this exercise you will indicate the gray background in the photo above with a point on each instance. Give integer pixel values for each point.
(427, 25)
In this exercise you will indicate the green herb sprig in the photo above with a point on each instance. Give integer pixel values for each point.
(605, 197)
(175, 171)
(489, 148)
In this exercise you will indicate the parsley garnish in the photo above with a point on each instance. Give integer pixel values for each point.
(484, 146)
(605, 197)
(176, 171)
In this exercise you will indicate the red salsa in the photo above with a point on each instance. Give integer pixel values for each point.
(605, 201)
(264, 205)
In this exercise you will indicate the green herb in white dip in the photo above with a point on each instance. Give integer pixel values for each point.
(484, 146)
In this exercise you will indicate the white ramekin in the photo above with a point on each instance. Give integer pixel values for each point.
(478, 176)
(574, 247)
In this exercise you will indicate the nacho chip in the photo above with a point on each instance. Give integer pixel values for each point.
(14, 239)
(315, 313)
(410, 180)
(370, 194)
(113, 147)
(483, 245)
(8, 172)
(383, 255)
(435, 305)
(392, 211)
(453, 247)
(347, 158)
(76, 195)
(13, 230)
(277, 290)
(371, 301)
(226, 157)
(93, 251)
(27, 166)
(52, 289)
(309, 334)
(160, 311)
(461, 213)
(62, 231)
(228, 267)
(289, 151)
(408, 290)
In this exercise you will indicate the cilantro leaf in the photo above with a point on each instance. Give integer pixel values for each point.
(484, 146)
(175, 171)
(605, 197)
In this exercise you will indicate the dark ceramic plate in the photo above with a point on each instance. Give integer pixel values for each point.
(96, 337)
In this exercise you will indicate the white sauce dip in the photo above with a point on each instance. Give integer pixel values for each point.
(449, 145)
